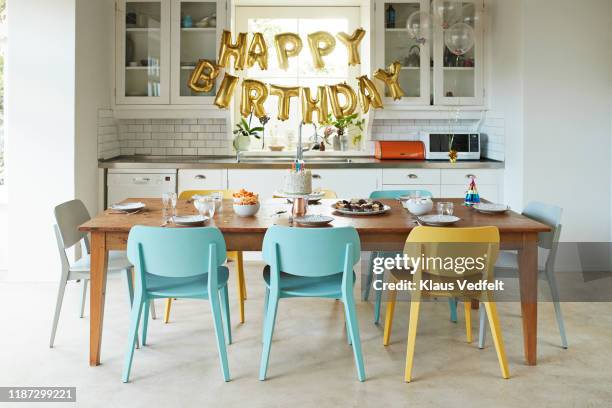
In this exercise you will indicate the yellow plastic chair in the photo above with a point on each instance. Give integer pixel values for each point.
(233, 255)
(455, 243)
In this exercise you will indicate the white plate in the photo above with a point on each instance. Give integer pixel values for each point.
(349, 212)
(128, 207)
(314, 196)
(189, 219)
(491, 208)
(438, 220)
(314, 220)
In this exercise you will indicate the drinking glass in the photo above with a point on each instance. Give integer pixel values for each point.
(218, 196)
(209, 206)
(445, 208)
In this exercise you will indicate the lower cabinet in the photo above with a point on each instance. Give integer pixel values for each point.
(412, 179)
(454, 183)
(347, 183)
(260, 181)
(205, 179)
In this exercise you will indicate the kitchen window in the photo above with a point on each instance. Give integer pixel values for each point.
(301, 20)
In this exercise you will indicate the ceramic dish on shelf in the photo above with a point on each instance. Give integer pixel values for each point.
(490, 208)
(437, 220)
(127, 207)
(313, 220)
(189, 220)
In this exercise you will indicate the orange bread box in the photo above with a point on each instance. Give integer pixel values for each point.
(400, 150)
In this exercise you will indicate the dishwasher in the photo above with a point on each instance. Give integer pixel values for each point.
(137, 183)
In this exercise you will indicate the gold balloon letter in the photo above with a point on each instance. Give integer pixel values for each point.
(368, 94)
(228, 49)
(284, 93)
(318, 105)
(390, 78)
(254, 94)
(350, 100)
(352, 44)
(321, 44)
(226, 91)
(283, 52)
(258, 52)
(203, 76)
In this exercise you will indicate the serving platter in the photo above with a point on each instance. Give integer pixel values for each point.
(437, 220)
(343, 211)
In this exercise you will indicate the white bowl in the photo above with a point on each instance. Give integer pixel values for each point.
(418, 206)
(246, 210)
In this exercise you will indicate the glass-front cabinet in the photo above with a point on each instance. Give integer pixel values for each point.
(158, 44)
(393, 43)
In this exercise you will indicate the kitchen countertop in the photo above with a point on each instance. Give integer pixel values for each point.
(277, 162)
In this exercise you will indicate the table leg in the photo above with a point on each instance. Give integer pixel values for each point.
(99, 262)
(528, 275)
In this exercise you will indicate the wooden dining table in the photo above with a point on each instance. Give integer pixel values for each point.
(386, 232)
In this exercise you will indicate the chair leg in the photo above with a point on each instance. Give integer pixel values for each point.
(225, 311)
(365, 293)
(412, 332)
(467, 307)
(353, 326)
(83, 298)
(389, 317)
(241, 285)
(378, 302)
(132, 336)
(269, 322)
(240, 262)
(482, 326)
(145, 321)
(129, 277)
(153, 311)
(58, 305)
(167, 310)
(218, 323)
(552, 282)
(498, 340)
(452, 305)
(348, 332)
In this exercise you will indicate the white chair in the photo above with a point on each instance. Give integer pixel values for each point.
(68, 217)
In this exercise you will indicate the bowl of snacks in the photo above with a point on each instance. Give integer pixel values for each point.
(246, 203)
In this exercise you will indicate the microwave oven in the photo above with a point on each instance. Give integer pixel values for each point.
(437, 145)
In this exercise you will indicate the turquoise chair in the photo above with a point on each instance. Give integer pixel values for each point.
(293, 271)
(178, 263)
(393, 195)
(507, 264)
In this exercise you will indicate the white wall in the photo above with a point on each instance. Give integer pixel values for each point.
(40, 130)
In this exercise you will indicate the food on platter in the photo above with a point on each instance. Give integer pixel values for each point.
(359, 205)
(298, 182)
(244, 197)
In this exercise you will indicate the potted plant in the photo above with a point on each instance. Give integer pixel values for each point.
(243, 133)
(339, 130)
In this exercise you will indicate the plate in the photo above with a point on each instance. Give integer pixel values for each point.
(314, 220)
(438, 220)
(128, 207)
(350, 212)
(488, 208)
(314, 196)
(189, 219)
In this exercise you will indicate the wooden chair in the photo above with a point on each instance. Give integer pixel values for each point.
(454, 243)
(231, 255)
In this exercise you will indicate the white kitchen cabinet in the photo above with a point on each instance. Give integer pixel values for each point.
(454, 183)
(205, 179)
(348, 183)
(260, 181)
(411, 176)
(487, 191)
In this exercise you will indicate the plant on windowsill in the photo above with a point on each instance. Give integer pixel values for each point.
(243, 133)
(339, 128)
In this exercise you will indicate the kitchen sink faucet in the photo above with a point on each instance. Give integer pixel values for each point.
(299, 150)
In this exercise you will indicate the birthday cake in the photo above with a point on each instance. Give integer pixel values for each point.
(299, 182)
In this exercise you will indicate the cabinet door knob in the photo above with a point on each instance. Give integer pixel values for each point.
(316, 176)
(469, 176)
(412, 176)
(200, 177)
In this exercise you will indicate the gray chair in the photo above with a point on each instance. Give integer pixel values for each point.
(68, 217)
(508, 261)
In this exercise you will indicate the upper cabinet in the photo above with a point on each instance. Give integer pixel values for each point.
(430, 74)
(158, 43)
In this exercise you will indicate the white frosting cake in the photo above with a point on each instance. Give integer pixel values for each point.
(298, 182)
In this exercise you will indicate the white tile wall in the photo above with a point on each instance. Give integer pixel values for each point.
(494, 131)
(108, 137)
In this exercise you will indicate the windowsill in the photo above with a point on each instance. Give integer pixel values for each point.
(291, 153)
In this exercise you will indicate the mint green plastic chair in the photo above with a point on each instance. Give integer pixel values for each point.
(308, 262)
(178, 263)
(391, 195)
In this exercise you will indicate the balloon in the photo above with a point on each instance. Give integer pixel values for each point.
(419, 27)
(202, 78)
(318, 105)
(258, 52)
(229, 49)
(368, 94)
(459, 38)
(469, 14)
(284, 93)
(390, 78)
(254, 94)
(283, 52)
(321, 43)
(350, 100)
(226, 91)
(446, 12)
(352, 44)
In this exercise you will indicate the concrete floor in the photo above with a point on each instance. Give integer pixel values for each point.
(310, 364)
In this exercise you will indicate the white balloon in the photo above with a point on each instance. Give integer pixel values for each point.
(459, 38)
(419, 26)
(446, 12)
